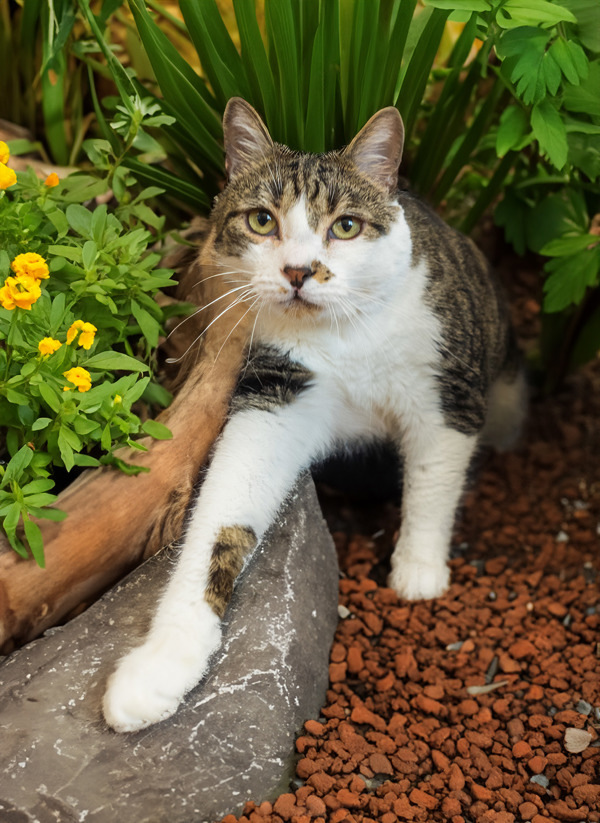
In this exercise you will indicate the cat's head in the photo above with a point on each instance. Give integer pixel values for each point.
(303, 235)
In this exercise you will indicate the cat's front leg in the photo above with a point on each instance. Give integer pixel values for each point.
(255, 464)
(435, 468)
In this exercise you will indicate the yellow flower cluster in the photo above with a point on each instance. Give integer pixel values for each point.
(22, 290)
(86, 332)
(8, 177)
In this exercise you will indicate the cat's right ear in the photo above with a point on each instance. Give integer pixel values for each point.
(246, 137)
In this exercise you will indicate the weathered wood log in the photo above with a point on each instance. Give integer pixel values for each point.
(114, 520)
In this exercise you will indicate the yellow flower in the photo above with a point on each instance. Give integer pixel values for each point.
(86, 338)
(30, 264)
(52, 180)
(49, 345)
(117, 400)
(79, 377)
(19, 292)
(8, 177)
(4, 152)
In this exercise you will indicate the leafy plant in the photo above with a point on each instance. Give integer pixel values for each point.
(79, 327)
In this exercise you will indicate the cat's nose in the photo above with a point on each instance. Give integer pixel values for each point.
(297, 275)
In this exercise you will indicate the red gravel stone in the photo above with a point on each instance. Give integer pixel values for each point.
(521, 749)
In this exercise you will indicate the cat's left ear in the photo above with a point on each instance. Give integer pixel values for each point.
(377, 148)
(246, 137)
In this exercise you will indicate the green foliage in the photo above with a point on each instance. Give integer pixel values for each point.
(513, 106)
(77, 355)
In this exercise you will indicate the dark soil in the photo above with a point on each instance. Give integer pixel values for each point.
(483, 705)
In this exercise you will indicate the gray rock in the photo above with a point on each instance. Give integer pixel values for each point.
(232, 739)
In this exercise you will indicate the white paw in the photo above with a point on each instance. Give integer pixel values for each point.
(150, 682)
(417, 580)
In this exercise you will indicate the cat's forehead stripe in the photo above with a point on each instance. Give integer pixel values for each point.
(329, 183)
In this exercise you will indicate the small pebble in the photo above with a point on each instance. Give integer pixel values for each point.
(343, 612)
(540, 779)
(583, 707)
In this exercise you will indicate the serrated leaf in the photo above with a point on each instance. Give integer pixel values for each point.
(569, 279)
(533, 12)
(569, 245)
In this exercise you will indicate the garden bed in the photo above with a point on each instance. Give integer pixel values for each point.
(406, 732)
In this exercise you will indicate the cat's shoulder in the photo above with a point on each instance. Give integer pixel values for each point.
(435, 241)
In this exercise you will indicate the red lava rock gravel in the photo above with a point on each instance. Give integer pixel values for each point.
(459, 709)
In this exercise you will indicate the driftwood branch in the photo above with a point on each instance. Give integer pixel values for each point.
(114, 520)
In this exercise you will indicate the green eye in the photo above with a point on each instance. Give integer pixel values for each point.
(345, 228)
(262, 222)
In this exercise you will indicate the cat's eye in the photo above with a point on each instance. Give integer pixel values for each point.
(345, 228)
(262, 222)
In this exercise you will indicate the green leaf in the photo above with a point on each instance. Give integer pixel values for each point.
(569, 245)
(80, 219)
(218, 55)
(463, 5)
(256, 62)
(41, 423)
(149, 326)
(17, 465)
(514, 13)
(89, 254)
(571, 60)
(42, 484)
(522, 52)
(550, 132)
(157, 430)
(50, 396)
(569, 279)
(35, 540)
(113, 361)
(585, 98)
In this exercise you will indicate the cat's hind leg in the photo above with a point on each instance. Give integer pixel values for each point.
(435, 469)
(255, 463)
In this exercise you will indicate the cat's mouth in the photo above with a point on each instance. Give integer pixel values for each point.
(299, 302)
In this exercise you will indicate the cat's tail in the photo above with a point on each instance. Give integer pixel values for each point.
(507, 404)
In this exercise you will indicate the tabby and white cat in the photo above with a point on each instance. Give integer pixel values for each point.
(372, 319)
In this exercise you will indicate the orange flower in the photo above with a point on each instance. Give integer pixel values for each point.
(88, 332)
(8, 177)
(19, 292)
(52, 180)
(30, 264)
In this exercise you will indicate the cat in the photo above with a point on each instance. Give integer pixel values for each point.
(371, 319)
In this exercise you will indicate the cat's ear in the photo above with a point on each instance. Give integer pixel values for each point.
(246, 137)
(377, 148)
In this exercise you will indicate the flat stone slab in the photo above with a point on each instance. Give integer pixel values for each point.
(232, 739)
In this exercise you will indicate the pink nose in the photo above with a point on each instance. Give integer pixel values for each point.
(297, 275)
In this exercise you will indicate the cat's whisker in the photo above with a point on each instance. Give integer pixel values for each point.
(236, 325)
(201, 308)
(239, 299)
(249, 350)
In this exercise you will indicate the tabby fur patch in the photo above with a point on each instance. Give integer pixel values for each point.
(232, 546)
